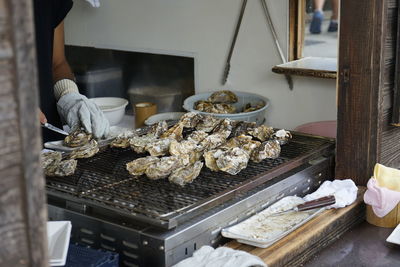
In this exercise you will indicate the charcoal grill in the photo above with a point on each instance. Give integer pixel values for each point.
(156, 223)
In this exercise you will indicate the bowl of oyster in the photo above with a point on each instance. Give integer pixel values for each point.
(234, 105)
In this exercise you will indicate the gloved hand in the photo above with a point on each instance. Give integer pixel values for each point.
(77, 110)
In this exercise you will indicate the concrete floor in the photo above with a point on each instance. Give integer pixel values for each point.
(365, 246)
(324, 44)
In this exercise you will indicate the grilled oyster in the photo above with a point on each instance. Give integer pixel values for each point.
(159, 147)
(245, 142)
(224, 127)
(242, 128)
(65, 168)
(86, 151)
(211, 156)
(138, 143)
(50, 161)
(178, 148)
(282, 136)
(158, 129)
(175, 132)
(190, 120)
(162, 168)
(233, 161)
(262, 133)
(122, 140)
(186, 174)
(212, 141)
(269, 149)
(140, 165)
(197, 136)
(224, 96)
(77, 138)
(207, 123)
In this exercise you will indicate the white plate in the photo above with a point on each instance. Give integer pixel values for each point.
(163, 117)
(58, 234)
(395, 236)
(262, 230)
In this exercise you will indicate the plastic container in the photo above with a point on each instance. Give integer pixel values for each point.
(100, 82)
(112, 107)
(167, 99)
(321, 128)
(244, 98)
(79, 256)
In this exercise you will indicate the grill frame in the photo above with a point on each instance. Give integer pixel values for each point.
(301, 149)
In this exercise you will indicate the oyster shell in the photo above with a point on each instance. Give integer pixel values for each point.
(66, 168)
(210, 158)
(50, 162)
(159, 147)
(223, 96)
(123, 140)
(262, 133)
(282, 136)
(218, 108)
(249, 108)
(178, 148)
(190, 120)
(207, 123)
(138, 143)
(86, 151)
(233, 161)
(140, 165)
(158, 129)
(186, 174)
(197, 136)
(50, 158)
(77, 138)
(212, 141)
(269, 149)
(175, 132)
(245, 142)
(242, 128)
(224, 127)
(162, 168)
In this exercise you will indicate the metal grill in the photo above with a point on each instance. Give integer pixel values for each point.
(103, 182)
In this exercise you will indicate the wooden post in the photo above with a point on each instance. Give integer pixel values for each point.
(23, 212)
(367, 48)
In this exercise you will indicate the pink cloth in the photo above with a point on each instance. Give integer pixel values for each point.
(381, 199)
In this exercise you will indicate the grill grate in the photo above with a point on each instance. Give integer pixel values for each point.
(103, 181)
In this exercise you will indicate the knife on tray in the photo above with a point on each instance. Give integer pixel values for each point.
(310, 205)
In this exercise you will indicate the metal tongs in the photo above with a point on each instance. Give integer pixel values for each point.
(310, 205)
(54, 128)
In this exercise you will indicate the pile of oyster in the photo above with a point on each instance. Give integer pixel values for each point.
(85, 147)
(220, 102)
(181, 151)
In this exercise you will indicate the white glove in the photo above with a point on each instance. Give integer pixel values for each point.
(77, 110)
(94, 3)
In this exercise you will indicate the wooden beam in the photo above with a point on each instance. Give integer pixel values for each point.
(23, 211)
(360, 85)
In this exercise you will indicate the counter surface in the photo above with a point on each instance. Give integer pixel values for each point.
(364, 245)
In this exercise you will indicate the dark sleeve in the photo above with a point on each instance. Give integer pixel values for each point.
(60, 10)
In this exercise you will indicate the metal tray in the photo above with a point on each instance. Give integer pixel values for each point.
(264, 229)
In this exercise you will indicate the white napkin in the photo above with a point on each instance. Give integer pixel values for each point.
(207, 256)
(94, 3)
(345, 192)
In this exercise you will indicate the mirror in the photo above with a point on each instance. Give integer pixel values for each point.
(321, 20)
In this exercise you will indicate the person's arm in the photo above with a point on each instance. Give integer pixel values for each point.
(61, 68)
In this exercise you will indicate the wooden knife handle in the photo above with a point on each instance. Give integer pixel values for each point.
(317, 203)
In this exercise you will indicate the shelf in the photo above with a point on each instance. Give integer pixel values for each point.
(318, 67)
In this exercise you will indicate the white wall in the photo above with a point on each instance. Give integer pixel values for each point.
(204, 29)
